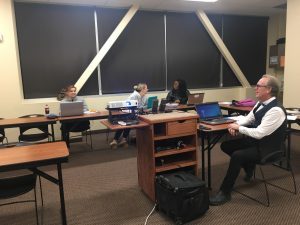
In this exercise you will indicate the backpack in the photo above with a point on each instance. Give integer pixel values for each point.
(244, 102)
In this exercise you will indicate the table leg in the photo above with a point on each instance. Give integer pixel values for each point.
(61, 193)
(52, 132)
(208, 162)
(203, 155)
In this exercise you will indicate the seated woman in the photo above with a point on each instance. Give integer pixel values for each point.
(179, 93)
(69, 94)
(139, 94)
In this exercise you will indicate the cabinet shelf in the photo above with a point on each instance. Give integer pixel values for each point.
(175, 151)
(162, 137)
(175, 165)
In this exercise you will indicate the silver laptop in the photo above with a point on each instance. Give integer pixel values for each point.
(210, 113)
(71, 108)
(195, 99)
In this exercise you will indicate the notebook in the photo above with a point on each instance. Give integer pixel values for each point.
(196, 98)
(150, 101)
(210, 113)
(71, 108)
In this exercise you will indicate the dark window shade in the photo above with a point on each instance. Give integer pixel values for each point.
(136, 56)
(56, 44)
(246, 39)
(191, 54)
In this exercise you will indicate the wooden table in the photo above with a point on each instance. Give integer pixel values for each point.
(242, 110)
(33, 156)
(115, 127)
(23, 122)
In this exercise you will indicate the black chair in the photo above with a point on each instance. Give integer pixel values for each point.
(2, 135)
(272, 159)
(28, 136)
(82, 127)
(13, 187)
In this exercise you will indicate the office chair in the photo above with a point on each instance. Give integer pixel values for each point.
(43, 133)
(271, 159)
(75, 127)
(2, 135)
(12, 187)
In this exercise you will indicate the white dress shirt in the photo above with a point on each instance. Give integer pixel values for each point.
(269, 123)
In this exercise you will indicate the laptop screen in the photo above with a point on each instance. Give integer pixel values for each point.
(71, 108)
(209, 110)
(150, 101)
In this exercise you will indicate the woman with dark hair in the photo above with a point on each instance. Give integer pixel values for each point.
(179, 93)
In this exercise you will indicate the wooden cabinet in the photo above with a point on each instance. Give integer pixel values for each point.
(170, 143)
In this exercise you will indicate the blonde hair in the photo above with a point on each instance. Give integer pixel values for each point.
(139, 87)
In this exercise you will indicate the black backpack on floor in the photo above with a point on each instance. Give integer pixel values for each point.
(182, 196)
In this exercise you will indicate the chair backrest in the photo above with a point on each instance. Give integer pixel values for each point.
(15, 186)
(2, 133)
(33, 137)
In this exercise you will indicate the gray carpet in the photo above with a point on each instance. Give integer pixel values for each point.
(101, 187)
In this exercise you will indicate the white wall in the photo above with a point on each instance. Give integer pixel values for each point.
(11, 97)
(292, 50)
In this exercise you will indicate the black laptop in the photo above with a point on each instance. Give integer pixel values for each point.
(210, 113)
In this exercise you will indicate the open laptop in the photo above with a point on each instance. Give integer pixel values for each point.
(150, 101)
(71, 108)
(162, 105)
(195, 99)
(210, 113)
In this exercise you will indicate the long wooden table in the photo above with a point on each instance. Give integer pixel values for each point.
(23, 122)
(34, 156)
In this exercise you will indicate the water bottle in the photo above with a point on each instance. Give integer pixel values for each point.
(47, 110)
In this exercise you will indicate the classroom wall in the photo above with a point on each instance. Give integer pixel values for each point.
(11, 95)
(292, 50)
(276, 30)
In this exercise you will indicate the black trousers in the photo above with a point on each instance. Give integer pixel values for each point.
(243, 154)
(125, 133)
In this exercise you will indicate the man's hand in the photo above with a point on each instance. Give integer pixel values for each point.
(233, 129)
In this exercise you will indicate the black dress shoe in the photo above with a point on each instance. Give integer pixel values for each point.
(247, 178)
(220, 199)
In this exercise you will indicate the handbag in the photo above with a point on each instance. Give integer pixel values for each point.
(245, 102)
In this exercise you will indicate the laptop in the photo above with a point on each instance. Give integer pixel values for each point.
(150, 101)
(195, 99)
(71, 108)
(210, 113)
(162, 105)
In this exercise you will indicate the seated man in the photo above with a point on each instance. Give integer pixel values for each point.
(265, 126)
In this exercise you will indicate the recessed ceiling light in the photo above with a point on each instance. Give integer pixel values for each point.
(201, 0)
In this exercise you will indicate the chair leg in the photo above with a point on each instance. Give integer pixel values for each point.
(91, 139)
(267, 204)
(294, 182)
(107, 135)
(265, 184)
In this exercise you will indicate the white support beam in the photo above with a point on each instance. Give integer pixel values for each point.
(105, 48)
(222, 48)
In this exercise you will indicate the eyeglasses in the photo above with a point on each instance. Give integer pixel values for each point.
(258, 86)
